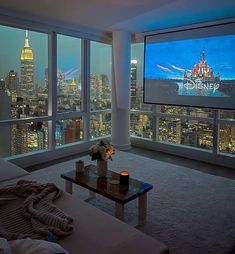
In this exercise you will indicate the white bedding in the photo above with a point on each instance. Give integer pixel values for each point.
(94, 230)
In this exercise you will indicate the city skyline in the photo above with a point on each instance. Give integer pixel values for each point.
(23, 98)
(24, 95)
(68, 53)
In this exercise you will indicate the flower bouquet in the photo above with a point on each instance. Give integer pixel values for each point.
(101, 151)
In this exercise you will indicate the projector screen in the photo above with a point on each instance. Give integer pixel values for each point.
(194, 67)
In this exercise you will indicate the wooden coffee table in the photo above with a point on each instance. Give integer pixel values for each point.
(108, 187)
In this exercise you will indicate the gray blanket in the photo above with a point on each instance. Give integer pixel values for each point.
(27, 210)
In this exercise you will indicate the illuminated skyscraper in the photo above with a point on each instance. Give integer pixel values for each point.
(96, 87)
(176, 130)
(5, 131)
(2, 84)
(106, 91)
(100, 92)
(20, 134)
(42, 140)
(133, 83)
(27, 68)
(12, 81)
(72, 132)
(19, 139)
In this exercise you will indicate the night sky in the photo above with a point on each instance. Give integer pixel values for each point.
(12, 42)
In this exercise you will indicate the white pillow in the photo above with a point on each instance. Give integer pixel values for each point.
(32, 246)
(9, 170)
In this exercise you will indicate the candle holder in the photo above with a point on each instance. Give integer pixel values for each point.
(79, 167)
(124, 177)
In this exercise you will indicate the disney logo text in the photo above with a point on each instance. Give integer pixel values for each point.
(199, 84)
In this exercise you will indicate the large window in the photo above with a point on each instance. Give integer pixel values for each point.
(69, 95)
(23, 64)
(227, 138)
(70, 124)
(141, 124)
(187, 132)
(183, 126)
(32, 119)
(141, 121)
(100, 89)
(23, 91)
(52, 96)
(137, 66)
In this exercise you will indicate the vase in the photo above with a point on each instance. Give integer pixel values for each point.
(102, 167)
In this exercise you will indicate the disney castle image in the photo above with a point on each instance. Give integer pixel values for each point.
(201, 81)
(202, 70)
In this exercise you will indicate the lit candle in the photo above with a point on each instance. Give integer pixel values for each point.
(124, 177)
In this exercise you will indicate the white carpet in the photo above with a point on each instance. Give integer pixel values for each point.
(190, 211)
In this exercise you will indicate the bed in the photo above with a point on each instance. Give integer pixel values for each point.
(94, 231)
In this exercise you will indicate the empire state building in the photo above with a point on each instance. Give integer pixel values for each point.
(27, 68)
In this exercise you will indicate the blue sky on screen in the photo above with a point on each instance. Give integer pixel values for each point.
(170, 59)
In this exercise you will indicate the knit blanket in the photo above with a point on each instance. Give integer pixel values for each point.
(27, 210)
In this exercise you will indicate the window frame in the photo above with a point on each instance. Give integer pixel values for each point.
(52, 32)
(181, 149)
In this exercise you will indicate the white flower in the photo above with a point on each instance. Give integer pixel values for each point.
(95, 149)
(102, 149)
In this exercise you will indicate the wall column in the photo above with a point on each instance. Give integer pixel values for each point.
(121, 90)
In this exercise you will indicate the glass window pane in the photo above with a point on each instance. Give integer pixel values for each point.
(69, 131)
(141, 125)
(69, 96)
(199, 112)
(186, 132)
(23, 64)
(229, 114)
(100, 125)
(23, 138)
(227, 138)
(136, 87)
(101, 76)
(169, 130)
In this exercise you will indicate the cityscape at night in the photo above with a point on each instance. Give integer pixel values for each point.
(24, 92)
(25, 95)
(176, 127)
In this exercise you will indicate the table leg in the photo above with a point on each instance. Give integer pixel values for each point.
(142, 209)
(119, 211)
(68, 187)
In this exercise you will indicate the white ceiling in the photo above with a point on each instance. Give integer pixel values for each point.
(132, 15)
